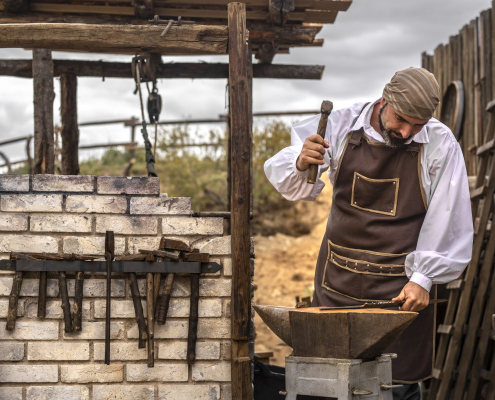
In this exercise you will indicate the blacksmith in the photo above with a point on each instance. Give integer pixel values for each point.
(400, 220)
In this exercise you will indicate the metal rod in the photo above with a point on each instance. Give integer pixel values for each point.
(42, 295)
(118, 266)
(109, 254)
(138, 310)
(19, 139)
(64, 295)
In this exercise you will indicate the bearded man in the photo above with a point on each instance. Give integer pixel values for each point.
(400, 220)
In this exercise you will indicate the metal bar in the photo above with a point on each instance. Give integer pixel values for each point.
(114, 121)
(19, 139)
(109, 255)
(117, 266)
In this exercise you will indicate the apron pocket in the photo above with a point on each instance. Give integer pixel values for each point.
(375, 195)
(362, 280)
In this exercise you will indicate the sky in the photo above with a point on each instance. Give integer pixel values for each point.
(362, 50)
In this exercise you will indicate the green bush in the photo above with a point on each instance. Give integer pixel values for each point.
(199, 172)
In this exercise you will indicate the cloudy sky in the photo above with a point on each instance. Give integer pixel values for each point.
(362, 50)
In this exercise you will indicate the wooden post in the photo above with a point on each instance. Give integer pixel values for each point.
(70, 131)
(241, 192)
(44, 154)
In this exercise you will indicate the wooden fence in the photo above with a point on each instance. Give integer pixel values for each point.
(468, 57)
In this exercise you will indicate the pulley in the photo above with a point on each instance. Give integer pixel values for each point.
(154, 105)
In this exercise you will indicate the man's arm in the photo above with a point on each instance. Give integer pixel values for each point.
(445, 240)
(291, 180)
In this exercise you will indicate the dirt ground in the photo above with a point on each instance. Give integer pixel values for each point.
(284, 269)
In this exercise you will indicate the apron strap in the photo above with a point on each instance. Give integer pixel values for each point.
(355, 139)
(413, 148)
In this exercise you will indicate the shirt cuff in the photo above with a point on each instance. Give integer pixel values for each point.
(296, 171)
(421, 280)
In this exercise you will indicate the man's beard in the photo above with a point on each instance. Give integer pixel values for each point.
(390, 141)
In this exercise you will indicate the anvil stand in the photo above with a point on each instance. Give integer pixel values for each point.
(342, 379)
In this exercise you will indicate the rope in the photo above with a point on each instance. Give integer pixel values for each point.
(150, 159)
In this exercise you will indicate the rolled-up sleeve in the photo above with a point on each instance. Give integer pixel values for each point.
(446, 237)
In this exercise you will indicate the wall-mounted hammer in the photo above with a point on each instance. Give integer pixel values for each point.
(326, 109)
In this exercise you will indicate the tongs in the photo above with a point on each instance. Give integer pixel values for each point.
(378, 304)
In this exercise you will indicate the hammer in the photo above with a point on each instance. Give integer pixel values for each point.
(326, 109)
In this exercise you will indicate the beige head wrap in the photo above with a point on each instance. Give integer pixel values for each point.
(414, 92)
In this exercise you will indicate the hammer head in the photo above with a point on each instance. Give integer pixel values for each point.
(326, 107)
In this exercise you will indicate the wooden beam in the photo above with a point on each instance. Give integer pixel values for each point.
(241, 192)
(333, 5)
(187, 39)
(259, 32)
(16, 6)
(279, 10)
(44, 151)
(69, 131)
(23, 69)
(318, 16)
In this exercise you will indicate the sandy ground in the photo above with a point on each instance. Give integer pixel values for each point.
(284, 269)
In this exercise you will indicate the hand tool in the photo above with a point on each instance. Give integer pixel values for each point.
(13, 301)
(78, 301)
(164, 301)
(109, 254)
(193, 312)
(64, 296)
(138, 309)
(378, 304)
(151, 319)
(42, 295)
(192, 335)
(169, 246)
(326, 109)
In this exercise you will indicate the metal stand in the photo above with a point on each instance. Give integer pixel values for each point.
(339, 378)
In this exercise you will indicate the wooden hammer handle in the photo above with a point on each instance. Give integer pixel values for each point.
(326, 109)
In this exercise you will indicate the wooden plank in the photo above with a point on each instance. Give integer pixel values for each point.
(475, 317)
(483, 163)
(314, 16)
(445, 329)
(44, 151)
(23, 69)
(477, 193)
(328, 5)
(483, 342)
(241, 192)
(455, 285)
(69, 131)
(108, 39)
(485, 147)
(465, 297)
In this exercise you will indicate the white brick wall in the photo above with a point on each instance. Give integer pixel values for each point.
(70, 214)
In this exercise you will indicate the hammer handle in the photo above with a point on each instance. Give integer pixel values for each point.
(322, 127)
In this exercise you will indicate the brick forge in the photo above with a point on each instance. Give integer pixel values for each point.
(70, 214)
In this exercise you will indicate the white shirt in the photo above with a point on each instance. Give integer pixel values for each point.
(445, 240)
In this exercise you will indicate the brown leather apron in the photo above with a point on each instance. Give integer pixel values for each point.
(377, 212)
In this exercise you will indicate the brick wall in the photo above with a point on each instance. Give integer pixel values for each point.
(70, 214)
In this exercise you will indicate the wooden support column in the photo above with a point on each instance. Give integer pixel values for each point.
(241, 192)
(44, 152)
(70, 130)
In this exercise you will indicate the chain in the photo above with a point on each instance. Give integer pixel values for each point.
(150, 159)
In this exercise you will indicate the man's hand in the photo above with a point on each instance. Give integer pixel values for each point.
(312, 152)
(416, 297)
